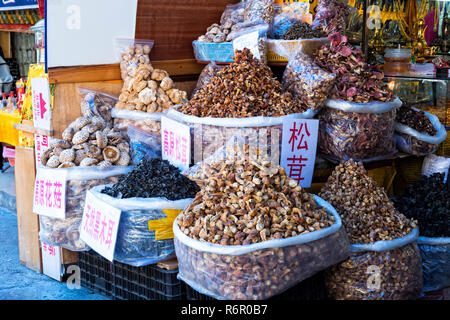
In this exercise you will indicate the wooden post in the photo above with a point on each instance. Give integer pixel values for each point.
(27, 221)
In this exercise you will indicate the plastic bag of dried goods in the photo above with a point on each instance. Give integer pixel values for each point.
(385, 270)
(233, 13)
(143, 145)
(416, 143)
(359, 131)
(148, 122)
(208, 134)
(435, 253)
(259, 270)
(285, 16)
(258, 10)
(254, 38)
(304, 79)
(133, 53)
(330, 16)
(434, 164)
(65, 232)
(145, 233)
(205, 76)
(95, 103)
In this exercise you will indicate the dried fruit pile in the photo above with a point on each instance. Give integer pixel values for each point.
(354, 80)
(302, 30)
(148, 90)
(427, 201)
(416, 120)
(366, 211)
(88, 142)
(247, 201)
(245, 88)
(153, 178)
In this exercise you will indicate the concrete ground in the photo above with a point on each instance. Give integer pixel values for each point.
(16, 281)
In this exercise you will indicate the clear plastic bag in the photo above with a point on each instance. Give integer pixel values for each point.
(260, 270)
(205, 76)
(148, 122)
(133, 53)
(417, 143)
(358, 131)
(145, 233)
(285, 16)
(143, 145)
(435, 254)
(304, 79)
(64, 232)
(254, 38)
(391, 271)
(435, 164)
(95, 103)
(209, 134)
(233, 13)
(331, 16)
(259, 10)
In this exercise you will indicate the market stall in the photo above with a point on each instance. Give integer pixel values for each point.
(239, 150)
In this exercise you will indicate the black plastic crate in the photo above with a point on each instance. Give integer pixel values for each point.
(95, 273)
(312, 288)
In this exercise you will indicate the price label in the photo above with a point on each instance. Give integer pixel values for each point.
(176, 143)
(298, 150)
(51, 261)
(41, 145)
(42, 111)
(50, 193)
(99, 226)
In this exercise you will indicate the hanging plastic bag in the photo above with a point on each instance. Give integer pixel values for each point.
(258, 10)
(435, 254)
(358, 131)
(385, 270)
(205, 76)
(304, 79)
(260, 270)
(145, 233)
(65, 232)
(143, 145)
(416, 143)
(95, 103)
(435, 164)
(254, 38)
(133, 53)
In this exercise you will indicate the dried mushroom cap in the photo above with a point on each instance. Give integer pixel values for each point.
(86, 162)
(67, 165)
(79, 156)
(57, 151)
(46, 155)
(124, 146)
(90, 128)
(67, 155)
(54, 143)
(105, 163)
(101, 139)
(53, 162)
(111, 154)
(80, 137)
(114, 138)
(68, 133)
(80, 122)
(124, 159)
(93, 151)
(86, 109)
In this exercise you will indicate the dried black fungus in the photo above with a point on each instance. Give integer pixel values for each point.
(153, 178)
(428, 202)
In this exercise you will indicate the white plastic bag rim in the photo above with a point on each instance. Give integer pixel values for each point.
(135, 115)
(433, 241)
(281, 41)
(238, 122)
(437, 139)
(360, 107)
(139, 203)
(384, 245)
(93, 172)
(276, 243)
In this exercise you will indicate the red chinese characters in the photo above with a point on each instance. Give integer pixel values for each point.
(298, 141)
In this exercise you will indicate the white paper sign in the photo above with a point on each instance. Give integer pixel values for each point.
(40, 145)
(176, 143)
(50, 193)
(298, 150)
(51, 261)
(99, 226)
(42, 111)
(250, 41)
